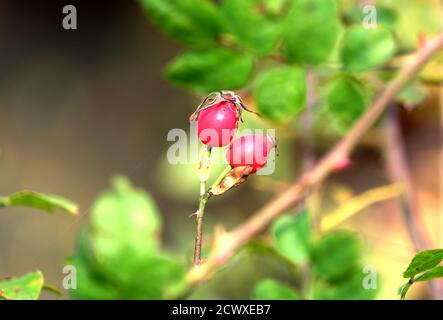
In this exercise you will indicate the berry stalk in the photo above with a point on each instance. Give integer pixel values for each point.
(204, 197)
(199, 230)
(204, 167)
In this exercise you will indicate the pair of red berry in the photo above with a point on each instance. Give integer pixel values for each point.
(217, 119)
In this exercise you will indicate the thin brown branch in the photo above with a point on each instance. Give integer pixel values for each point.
(204, 198)
(199, 229)
(226, 243)
(399, 171)
(203, 169)
(307, 121)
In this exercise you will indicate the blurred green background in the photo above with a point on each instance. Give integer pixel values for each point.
(77, 107)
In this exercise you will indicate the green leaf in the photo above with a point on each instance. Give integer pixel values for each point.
(42, 201)
(349, 288)
(269, 289)
(190, 21)
(436, 272)
(412, 95)
(423, 261)
(266, 250)
(253, 262)
(346, 101)
(386, 16)
(275, 6)
(124, 222)
(27, 287)
(336, 255)
(364, 49)
(280, 93)
(156, 276)
(292, 236)
(311, 31)
(210, 69)
(92, 283)
(252, 24)
(404, 289)
(119, 256)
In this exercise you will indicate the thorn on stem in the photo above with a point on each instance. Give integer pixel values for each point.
(194, 214)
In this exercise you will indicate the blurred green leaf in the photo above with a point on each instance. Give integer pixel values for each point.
(190, 21)
(42, 201)
(346, 101)
(92, 283)
(253, 262)
(336, 255)
(276, 6)
(292, 236)
(280, 93)
(423, 261)
(119, 256)
(350, 288)
(412, 94)
(269, 289)
(364, 49)
(26, 287)
(311, 31)
(386, 15)
(90, 286)
(265, 250)
(252, 24)
(210, 70)
(124, 221)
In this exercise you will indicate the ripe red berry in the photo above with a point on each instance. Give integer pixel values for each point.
(216, 125)
(250, 150)
(218, 117)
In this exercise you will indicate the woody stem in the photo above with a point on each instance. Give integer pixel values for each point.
(204, 197)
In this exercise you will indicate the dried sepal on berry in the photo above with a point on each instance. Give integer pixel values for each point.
(209, 101)
(235, 177)
(217, 97)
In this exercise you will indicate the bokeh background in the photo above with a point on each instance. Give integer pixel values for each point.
(77, 107)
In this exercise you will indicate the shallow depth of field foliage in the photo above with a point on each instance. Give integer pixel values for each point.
(268, 51)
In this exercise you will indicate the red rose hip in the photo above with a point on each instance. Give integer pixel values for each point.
(250, 150)
(216, 125)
